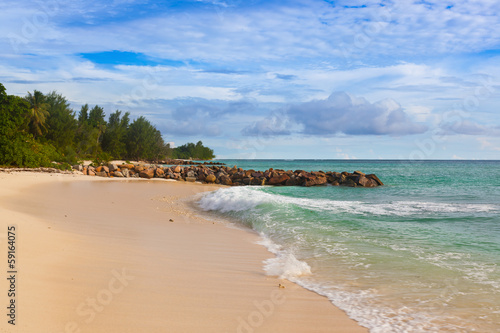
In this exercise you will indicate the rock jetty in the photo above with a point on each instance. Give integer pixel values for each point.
(219, 174)
(189, 162)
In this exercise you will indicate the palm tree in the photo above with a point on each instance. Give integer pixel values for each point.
(38, 112)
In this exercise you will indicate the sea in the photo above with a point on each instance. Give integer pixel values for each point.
(419, 254)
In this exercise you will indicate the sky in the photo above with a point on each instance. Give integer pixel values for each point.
(295, 79)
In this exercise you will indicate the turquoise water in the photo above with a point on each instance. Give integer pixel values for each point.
(420, 254)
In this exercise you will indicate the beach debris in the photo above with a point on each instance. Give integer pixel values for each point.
(171, 220)
(281, 286)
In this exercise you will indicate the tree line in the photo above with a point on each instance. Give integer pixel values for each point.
(40, 128)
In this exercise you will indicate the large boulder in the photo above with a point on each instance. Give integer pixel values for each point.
(225, 180)
(177, 169)
(291, 182)
(278, 179)
(210, 178)
(112, 167)
(148, 173)
(125, 172)
(257, 181)
(159, 173)
(127, 166)
(375, 178)
(315, 181)
(101, 174)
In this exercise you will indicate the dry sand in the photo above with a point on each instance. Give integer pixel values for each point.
(98, 255)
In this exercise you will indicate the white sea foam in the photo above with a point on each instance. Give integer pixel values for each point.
(238, 199)
(286, 266)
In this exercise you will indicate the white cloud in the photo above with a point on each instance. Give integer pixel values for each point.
(341, 113)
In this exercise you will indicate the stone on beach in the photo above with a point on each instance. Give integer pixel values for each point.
(148, 173)
(210, 178)
(221, 174)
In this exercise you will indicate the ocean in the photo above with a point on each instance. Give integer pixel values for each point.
(420, 254)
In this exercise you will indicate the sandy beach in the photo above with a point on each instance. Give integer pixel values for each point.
(96, 255)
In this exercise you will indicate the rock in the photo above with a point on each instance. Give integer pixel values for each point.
(159, 173)
(148, 173)
(359, 173)
(349, 182)
(256, 181)
(291, 182)
(127, 166)
(178, 169)
(125, 172)
(225, 180)
(210, 178)
(139, 168)
(279, 179)
(191, 173)
(101, 174)
(118, 174)
(375, 178)
(78, 167)
(98, 169)
(191, 179)
(91, 172)
(315, 181)
(105, 168)
(112, 167)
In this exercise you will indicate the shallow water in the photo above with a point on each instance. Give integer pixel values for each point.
(420, 254)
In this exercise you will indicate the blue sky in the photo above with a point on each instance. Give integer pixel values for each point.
(273, 79)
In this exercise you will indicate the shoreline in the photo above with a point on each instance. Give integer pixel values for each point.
(87, 238)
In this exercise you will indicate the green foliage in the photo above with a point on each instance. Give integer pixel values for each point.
(144, 141)
(101, 159)
(68, 155)
(192, 151)
(24, 151)
(96, 117)
(39, 129)
(61, 121)
(38, 112)
(114, 139)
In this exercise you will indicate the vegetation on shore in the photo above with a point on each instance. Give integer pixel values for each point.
(41, 128)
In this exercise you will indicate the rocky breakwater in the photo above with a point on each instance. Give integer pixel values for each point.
(234, 176)
(188, 162)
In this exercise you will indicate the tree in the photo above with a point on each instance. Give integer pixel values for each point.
(17, 146)
(83, 116)
(114, 139)
(84, 133)
(38, 112)
(96, 117)
(197, 152)
(61, 121)
(98, 124)
(144, 141)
